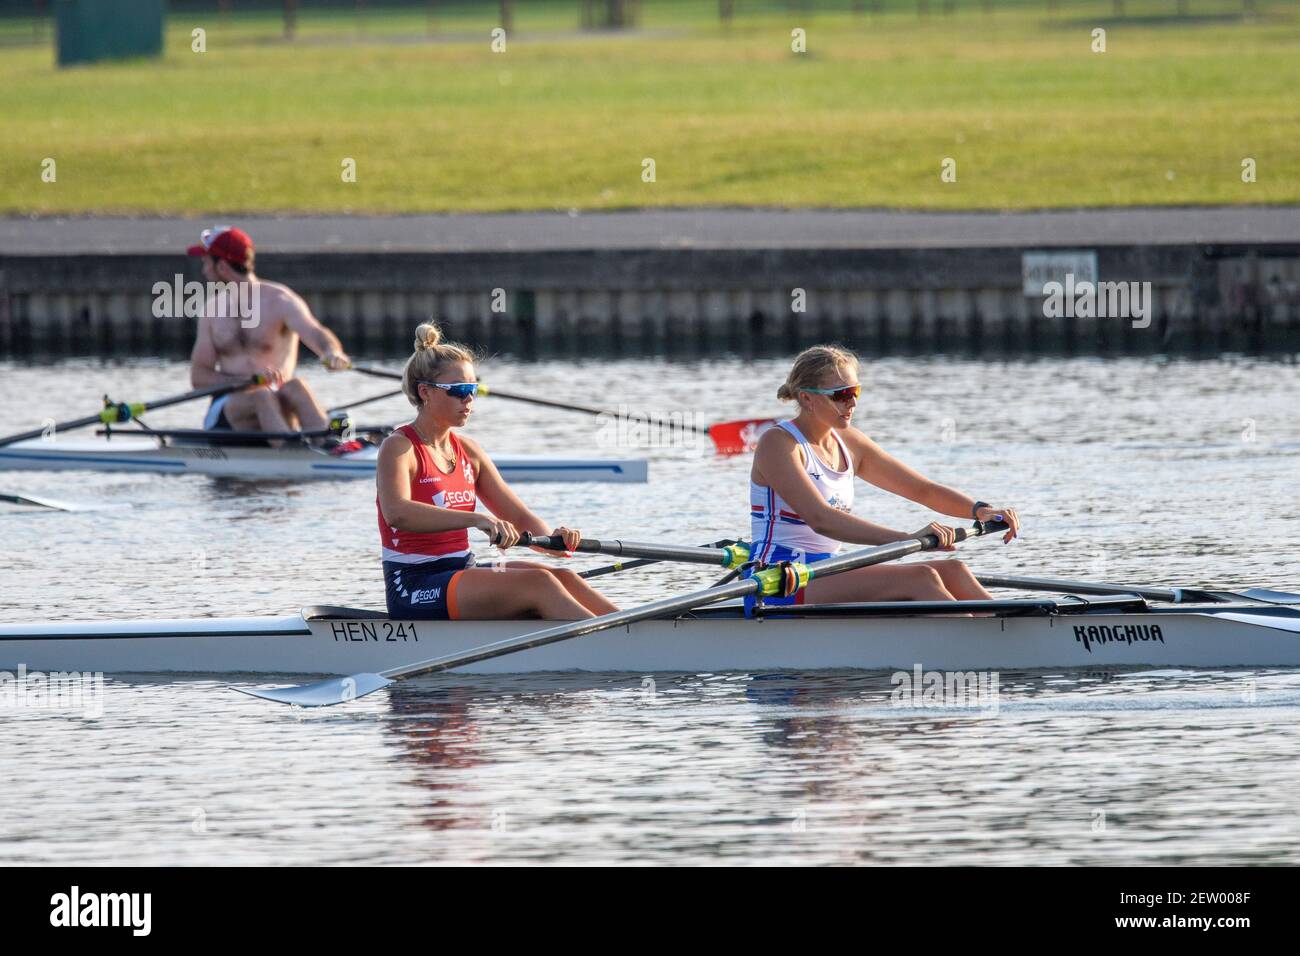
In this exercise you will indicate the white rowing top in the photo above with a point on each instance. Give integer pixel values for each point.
(774, 524)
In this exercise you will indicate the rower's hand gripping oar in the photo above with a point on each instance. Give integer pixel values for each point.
(116, 413)
(729, 438)
(769, 582)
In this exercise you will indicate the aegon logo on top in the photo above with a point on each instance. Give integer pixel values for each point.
(103, 909)
(221, 300)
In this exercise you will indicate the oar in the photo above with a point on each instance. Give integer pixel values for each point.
(729, 438)
(728, 556)
(782, 579)
(618, 566)
(1168, 595)
(223, 436)
(115, 413)
(1077, 587)
(366, 401)
(58, 504)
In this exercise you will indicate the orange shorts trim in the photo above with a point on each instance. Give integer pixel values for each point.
(453, 612)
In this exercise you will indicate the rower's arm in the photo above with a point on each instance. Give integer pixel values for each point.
(778, 466)
(394, 470)
(203, 359)
(498, 496)
(318, 338)
(883, 470)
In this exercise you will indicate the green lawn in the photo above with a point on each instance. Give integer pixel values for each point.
(731, 117)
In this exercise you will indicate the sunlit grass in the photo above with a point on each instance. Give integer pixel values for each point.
(1032, 117)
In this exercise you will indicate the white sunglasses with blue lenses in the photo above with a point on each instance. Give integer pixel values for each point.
(460, 390)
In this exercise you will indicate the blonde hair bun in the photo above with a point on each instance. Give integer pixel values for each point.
(431, 353)
(427, 336)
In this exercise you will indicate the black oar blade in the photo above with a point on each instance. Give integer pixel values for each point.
(325, 693)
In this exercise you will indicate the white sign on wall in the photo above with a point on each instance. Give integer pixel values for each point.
(1039, 268)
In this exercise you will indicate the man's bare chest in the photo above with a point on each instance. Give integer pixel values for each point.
(230, 335)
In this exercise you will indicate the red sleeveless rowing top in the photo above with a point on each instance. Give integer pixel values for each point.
(432, 486)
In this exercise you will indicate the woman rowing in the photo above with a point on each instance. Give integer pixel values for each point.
(801, 494)
(429, 482)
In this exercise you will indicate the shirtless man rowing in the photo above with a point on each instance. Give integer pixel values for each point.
(231, 346)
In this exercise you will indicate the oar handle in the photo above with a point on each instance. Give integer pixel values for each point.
(978, 528)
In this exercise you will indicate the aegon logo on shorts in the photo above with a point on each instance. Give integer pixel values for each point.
(426, 595)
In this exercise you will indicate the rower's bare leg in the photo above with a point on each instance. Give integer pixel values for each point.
(960, 581)
(256, 410)
(578, 588)
(299, 401)
(483, 594)
(883, 582)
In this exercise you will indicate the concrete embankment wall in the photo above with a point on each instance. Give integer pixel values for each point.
(680, 300)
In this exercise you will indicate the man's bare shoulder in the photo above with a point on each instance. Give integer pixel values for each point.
(278, 296)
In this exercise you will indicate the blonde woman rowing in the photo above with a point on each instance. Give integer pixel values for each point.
(430, 482)
(801, 494)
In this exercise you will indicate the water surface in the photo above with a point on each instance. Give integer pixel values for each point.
(1133, 470)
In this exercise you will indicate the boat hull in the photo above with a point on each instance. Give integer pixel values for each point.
(293, 463)
(1233, 637)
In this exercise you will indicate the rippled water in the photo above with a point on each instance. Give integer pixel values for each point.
(1130, 469)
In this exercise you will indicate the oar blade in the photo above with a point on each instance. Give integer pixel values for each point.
(738, 437)
(325, 693)
(1270, 596)
(58, 504)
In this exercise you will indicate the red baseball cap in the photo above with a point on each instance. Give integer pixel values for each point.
(225, 242)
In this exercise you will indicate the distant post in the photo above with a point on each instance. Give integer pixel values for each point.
(611, 13)
(290, 18)
(508, 16)
(94, 30)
